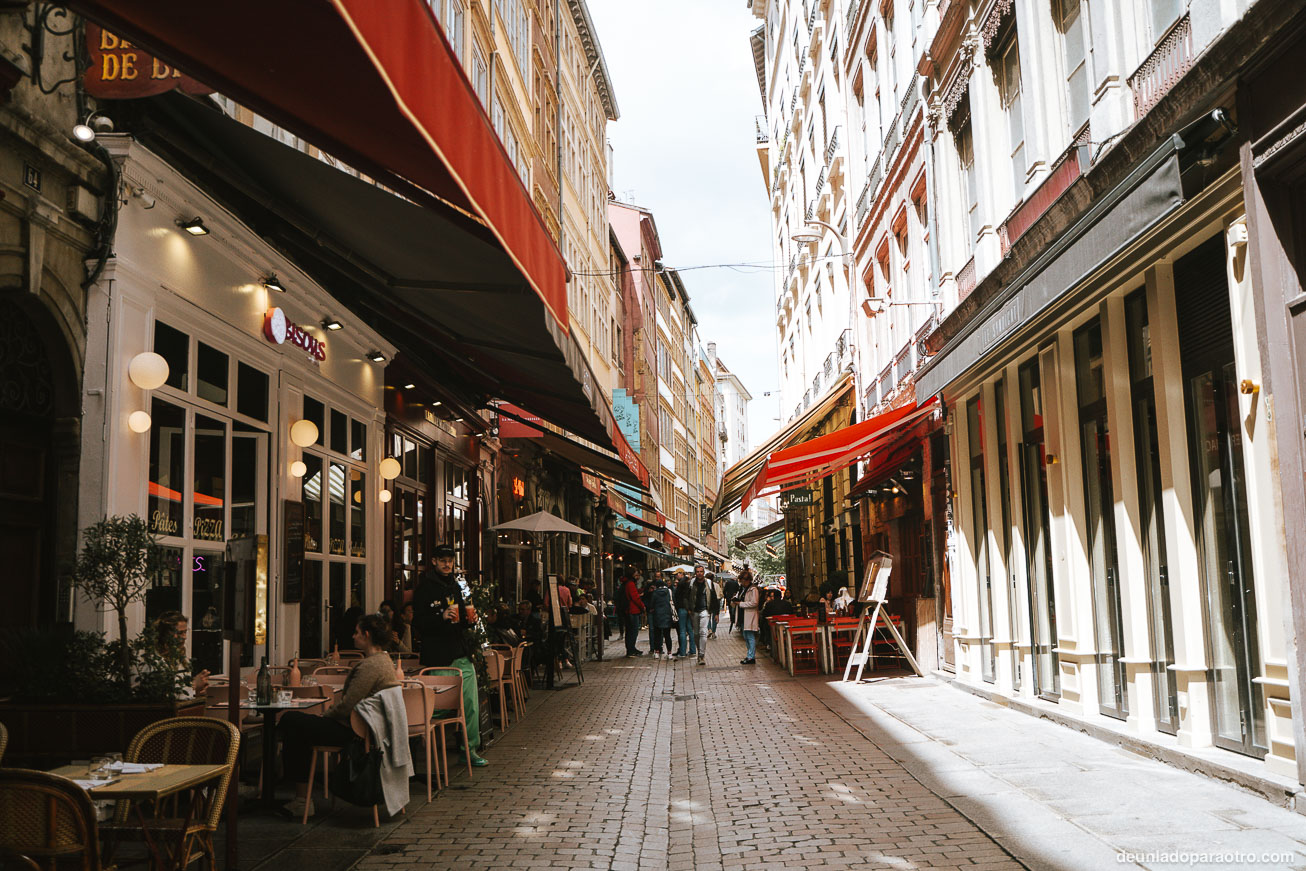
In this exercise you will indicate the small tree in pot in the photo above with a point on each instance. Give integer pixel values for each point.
(119, 557)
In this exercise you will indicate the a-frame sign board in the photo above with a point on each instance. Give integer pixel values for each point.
(875, 587)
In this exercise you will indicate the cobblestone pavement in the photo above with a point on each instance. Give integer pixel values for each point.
(667, 765)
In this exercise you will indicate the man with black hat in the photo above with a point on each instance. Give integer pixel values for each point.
(442, 614)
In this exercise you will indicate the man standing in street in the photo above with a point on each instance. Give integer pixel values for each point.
(731, 590)
(704, 604)
(634, 606)
(443, 615)
(684, 628)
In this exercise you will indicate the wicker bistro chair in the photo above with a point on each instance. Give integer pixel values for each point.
(188, 741)
(443, 717)
(46, 821)
(4, 740)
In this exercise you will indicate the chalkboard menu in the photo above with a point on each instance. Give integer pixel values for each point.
(292, 588)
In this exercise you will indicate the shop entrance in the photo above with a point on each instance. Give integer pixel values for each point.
(1038, 547)
(1220, 498)
(1099, 513)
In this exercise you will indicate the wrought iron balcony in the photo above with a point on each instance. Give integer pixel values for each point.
(1165, 66)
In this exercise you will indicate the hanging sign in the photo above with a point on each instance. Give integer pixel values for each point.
(278, 329)
(591, 483)
(121, 71)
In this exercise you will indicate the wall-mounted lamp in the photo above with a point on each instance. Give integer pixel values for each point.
(332, 324)
(1248, 387)
(274, 283)
(389, 468)
(384, 496)
(94, 123)
(147, 199)
(139, 421)
(298, 469)
(194, 226)
(148, 370)
(303, 433)
(376, 356)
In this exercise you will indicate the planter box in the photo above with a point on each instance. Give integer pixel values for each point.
(45, 735)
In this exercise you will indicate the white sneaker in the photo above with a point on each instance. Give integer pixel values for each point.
(657, 655)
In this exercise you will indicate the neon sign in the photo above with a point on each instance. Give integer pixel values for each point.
(518, 488)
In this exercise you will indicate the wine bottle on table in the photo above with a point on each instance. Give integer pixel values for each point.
(263, 686)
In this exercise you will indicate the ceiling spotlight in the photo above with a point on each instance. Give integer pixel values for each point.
(194, 226)
(94, 123)
(332, 324)
(376, 356)
(83, 133)
(436, 403)
(274, 283)
(409, 386)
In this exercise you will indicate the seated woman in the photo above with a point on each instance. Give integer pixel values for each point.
(170, 635)
(300, 731)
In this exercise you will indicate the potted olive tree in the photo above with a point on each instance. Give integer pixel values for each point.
(71, 693)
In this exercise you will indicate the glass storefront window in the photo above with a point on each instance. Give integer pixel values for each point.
(410, 458)
(313, 504)
(1038, 539)
(167, 467)
(357, 440)
(207, 573)
(211, 374)
(339, 432)
(357, 513)
(980, 527)
(336, 493)
(164, 593)
(174, 346)
(251, 392)
(244, 482)
(316, 412)
(210, 490)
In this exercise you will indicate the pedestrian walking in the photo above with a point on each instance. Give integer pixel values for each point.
(661, 617)
(630, 606)
(731, 592)
(716, 610)
(748, 614)
(704, 604)
(684, 625)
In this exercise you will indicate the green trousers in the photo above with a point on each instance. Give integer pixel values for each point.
(471, 701)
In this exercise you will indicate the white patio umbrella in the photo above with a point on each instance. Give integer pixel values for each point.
(541, 521)
(689, 570)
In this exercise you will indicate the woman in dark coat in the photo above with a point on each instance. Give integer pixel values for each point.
(662, 616)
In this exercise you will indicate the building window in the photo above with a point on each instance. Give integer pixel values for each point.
(969, 181)
(480, 75)
(1074, 59)
(1164, 13)
(1009, 92)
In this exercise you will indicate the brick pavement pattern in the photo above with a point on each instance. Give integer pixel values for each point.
(671, 766)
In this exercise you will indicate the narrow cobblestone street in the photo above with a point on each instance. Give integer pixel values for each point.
(663, 764)
(666, 765)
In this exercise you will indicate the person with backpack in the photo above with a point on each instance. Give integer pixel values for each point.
(661, 617)
(630, 606)
(685, 632)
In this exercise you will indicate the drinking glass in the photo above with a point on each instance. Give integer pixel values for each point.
(99, 768)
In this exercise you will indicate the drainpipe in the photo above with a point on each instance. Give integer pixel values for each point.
(931, 194)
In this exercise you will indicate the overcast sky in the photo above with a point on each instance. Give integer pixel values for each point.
(682, 73)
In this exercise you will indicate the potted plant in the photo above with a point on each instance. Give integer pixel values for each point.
(69, 694)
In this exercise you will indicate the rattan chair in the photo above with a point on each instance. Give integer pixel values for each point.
(188, 741)
(4, 740)
(46, 821)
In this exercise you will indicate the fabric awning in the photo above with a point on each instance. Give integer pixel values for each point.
(374, 84)
(739, 477)
(636, 546)
(517, 423)
(769, 531)
(889, 454)
(812, 460)
(453, 303)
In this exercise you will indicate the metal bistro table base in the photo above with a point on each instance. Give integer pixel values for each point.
(267, 802)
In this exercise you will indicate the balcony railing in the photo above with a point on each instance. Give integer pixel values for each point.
(966, 280)
(1164, 67)
(832, 146)
(759, 125)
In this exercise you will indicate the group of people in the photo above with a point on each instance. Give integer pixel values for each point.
(691, 606)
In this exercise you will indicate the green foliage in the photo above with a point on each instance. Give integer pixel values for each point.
(755, 554)
(119, 557)
(61, 666)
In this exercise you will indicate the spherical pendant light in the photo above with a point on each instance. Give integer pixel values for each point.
(139, 421)
(298, 469)
(390, 468)
(384, 496)
(303, 433)
(148, 370)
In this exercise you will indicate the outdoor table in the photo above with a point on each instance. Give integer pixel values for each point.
(269, 712)
(153, 786)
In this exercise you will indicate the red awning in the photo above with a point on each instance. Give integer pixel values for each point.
(374, 84)
(821, 456)
(889, 454)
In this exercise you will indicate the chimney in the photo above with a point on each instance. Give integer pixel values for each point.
(711, 356)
